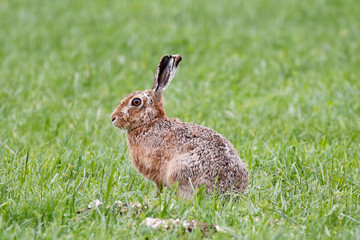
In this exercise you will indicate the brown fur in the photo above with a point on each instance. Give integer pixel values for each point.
(168, 151)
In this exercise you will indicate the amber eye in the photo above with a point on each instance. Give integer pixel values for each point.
(136, 102)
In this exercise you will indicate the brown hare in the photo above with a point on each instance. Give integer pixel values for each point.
(168, 151)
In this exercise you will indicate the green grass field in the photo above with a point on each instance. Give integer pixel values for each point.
(279, 79)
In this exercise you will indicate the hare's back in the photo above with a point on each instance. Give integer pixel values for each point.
(198, 140)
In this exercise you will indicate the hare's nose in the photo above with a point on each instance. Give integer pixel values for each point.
(113, 117)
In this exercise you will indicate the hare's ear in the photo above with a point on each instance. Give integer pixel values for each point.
(165, 72)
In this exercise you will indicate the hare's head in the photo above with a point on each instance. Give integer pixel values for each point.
(141, 107)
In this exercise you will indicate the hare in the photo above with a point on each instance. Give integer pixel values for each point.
(168, 151)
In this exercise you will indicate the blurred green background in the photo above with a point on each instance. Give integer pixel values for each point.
(279, 79)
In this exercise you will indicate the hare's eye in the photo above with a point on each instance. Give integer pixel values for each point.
(136, 102)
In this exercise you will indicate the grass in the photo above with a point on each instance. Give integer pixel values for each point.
(279, 79)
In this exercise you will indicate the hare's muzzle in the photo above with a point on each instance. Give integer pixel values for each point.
(114, 117)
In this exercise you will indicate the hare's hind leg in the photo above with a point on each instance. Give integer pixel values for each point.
(178, 172)
(185, 191)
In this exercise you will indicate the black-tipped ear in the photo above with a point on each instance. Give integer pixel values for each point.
(165, 72)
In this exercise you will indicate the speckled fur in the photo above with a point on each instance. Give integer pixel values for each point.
(168, 151)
